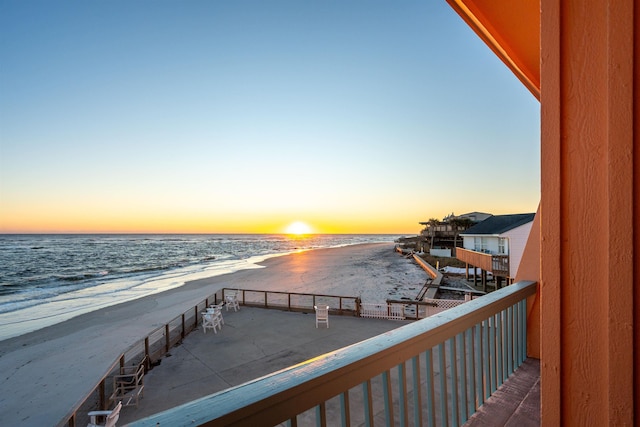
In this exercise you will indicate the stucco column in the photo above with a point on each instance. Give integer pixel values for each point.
(590, 212)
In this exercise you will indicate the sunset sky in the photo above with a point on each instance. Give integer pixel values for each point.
(361, 116)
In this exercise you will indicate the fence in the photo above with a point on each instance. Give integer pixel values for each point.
(436, 371)
(292, 301)
(155, 345)
(382, 311)
(435, 306)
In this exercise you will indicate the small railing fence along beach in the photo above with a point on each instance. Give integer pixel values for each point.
(435, 372)
(158, 342)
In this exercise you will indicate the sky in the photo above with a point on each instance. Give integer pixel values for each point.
(360, 116)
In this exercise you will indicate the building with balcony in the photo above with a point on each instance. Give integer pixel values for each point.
(496, 245)
(443, 235)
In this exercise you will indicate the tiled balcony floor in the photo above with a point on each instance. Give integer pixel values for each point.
(516, 403)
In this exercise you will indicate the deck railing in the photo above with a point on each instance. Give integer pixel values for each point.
(159, 341)
(295, 301)
(436, 371)
(497, 264)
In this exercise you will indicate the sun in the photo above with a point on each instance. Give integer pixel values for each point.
(298, 228)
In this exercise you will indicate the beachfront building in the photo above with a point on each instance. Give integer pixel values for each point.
(440, 238)
(580, 270)
(495, 246)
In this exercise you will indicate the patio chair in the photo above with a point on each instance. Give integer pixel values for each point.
(211, 320)
(217, 310)
(110, 417)
(128, 385)
(231, 298)
(322, 315)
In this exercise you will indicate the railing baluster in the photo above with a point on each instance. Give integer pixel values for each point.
(478, 363)
(444, 403)
(388, 397)
(505, 340)
(321, 415)
(523, 326)
(431, 405)
(471, 371)
(417, 391)
(492, 353)
(463, 377)
(486, 356)
(402, 394)
(510, 331)
(499, 357)
(368, 404)
(518, 334)
(454, 380)
(345, 414)
(293, 422)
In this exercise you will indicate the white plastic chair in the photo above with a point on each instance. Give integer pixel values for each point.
(231, 299)
(216, 309)
(210, 320)
(322, 315)
(111, 417)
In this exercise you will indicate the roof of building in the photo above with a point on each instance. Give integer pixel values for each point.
(475, 216)
(498, 224)
(471, 215)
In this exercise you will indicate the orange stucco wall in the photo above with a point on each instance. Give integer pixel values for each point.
(589, 194)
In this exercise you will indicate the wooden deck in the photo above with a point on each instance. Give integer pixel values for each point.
(516, 403)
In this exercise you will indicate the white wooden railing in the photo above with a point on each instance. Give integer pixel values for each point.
(382, 311)
(436, 371)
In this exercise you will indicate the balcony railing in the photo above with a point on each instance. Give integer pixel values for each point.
(497, 264)
(436, 371)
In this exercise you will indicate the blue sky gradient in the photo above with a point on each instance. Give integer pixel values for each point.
(244, 116)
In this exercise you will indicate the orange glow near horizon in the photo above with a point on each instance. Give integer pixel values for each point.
(103, 218)
(134, 217)
(79, 222)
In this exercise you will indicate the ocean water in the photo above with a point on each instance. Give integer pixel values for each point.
(46, 279)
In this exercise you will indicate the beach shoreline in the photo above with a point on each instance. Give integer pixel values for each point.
(47, 371)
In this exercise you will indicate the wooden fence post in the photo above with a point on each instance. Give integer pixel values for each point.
(147, 355)
(167, 337)
(103, 397)
(183, 327)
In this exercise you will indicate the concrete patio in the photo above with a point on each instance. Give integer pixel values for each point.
(255, 342)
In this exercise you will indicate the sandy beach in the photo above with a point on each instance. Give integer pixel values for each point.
(47, 371)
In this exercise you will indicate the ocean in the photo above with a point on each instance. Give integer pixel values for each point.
(47, 279)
